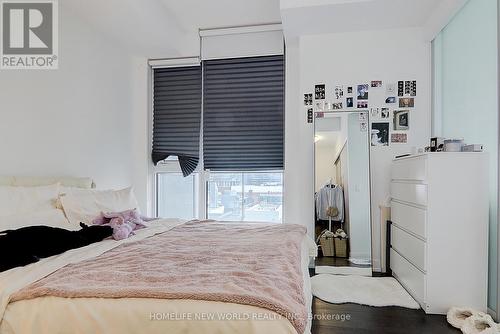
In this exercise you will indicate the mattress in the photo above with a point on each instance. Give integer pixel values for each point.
(48, 315)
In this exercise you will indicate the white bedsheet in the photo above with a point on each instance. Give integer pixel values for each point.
(49, 315)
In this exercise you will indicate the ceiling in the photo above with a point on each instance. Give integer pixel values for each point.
(327, 131)
(169, 28)
(194, 14)
(303, 17)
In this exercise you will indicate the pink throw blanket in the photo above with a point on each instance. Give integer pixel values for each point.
(248, 264)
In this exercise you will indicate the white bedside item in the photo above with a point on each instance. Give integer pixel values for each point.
(453, 145)
(439, 233)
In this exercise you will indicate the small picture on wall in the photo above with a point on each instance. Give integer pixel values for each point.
(349, 102)
(362, 92)
(362, 104)
(320, 106)
(308, 99)
(376, 84)
(384, 113)
(337, 105)
(319, 92)
(349, 90)
(390, 99)
(363, 126)
(362, 117)
(391, 89)
(406, 102)
(399, 138)
(375, 113)
(380, 134)
(400, 88)
(407, 87)
(401, 120)
(413, 88)
(339, 92)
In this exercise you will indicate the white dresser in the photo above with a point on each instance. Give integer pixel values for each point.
(439, 233)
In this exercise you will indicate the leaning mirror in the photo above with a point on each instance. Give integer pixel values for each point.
(342, 188)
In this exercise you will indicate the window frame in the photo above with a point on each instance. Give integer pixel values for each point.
(202, 176)
(170, 165)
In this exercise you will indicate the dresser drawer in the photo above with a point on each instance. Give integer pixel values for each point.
(409, 276)
(410, 247)
(410, 218)
(410, 169)
(409, 192)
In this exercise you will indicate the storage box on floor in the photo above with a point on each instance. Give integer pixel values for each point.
(333, 246)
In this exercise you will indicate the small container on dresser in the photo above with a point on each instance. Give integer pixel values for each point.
(439, 232)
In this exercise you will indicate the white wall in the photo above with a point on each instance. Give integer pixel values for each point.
(325, 169)
(298, 186)
(142, 134)
(76, 120)
(387, 55)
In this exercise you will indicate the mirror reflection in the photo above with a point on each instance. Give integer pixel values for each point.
(342, 187)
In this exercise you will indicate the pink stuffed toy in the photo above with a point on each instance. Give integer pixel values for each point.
(123, 223)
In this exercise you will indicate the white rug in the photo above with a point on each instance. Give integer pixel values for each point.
(371, 291)
(360, 262)
(367, 271)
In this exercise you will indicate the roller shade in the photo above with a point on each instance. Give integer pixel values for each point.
(243, 113)
(245, 44)
(177, 115)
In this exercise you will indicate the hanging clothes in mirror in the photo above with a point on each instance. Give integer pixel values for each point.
(330, 203)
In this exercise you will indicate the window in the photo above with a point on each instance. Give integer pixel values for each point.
(176, 195)
(242, 196)
(177, 116)
(234, 130)
(243, 114)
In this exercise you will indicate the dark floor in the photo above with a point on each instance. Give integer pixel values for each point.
(358, 319)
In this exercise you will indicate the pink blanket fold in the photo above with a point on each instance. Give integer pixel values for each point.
(256, 265)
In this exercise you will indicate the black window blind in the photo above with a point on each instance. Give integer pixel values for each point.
(177, 115)
(243, 113)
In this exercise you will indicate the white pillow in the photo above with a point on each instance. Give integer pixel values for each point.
(23, 200)
(52, 217)
(63, 190)
(85, 205)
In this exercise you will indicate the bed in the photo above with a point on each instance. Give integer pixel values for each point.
(36, 298)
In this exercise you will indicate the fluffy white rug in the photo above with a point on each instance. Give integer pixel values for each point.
(372, 291)
(343, 270)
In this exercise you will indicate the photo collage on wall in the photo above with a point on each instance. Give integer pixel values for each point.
(407, 91)
(390, 123)
(387, 103)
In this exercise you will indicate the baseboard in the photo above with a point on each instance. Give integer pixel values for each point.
(376, 266)
(358, 271)
(360, 261)
(493, 313)
(363, 256)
